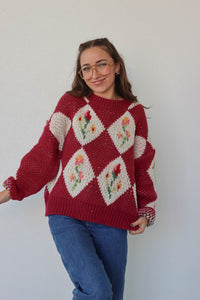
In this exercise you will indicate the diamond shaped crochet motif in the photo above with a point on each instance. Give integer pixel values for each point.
(86, 125)
(78, 173)
(150, 171)
(52, 183)
(59, 127)
(140, 145)
(113, 181)
(122, 132)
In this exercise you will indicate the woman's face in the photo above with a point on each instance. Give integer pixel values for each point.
(101, 80)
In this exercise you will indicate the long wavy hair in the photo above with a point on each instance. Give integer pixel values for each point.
(122, 84)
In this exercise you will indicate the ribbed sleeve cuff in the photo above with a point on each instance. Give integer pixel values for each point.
(10, 184)
(149, 214)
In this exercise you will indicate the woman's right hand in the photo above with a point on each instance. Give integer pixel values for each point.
(4, 196)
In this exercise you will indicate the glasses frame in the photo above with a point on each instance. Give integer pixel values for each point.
(93, 67)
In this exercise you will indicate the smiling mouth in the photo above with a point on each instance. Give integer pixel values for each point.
(98, 82)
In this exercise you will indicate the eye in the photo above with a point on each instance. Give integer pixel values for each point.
(86, 69)
(102, 64)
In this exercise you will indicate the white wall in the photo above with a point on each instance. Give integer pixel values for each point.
(160, 42)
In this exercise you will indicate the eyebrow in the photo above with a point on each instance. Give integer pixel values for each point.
(96, 62)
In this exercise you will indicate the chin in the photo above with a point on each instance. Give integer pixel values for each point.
(101, 90)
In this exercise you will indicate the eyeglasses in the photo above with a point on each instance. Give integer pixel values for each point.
(102, 68)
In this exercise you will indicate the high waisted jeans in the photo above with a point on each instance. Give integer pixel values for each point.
(94, 256)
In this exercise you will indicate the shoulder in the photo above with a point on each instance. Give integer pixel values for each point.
(67, 102)
(137, 110)
(66, 99)
(132, 106)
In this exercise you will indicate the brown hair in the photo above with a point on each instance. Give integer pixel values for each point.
(122, 85)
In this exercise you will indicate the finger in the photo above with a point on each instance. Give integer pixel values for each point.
(138, 231)
(138, 222)
(135, 223)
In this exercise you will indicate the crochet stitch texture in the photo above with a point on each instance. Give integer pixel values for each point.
(95, 160)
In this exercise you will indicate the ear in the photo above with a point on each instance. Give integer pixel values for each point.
(117, 68)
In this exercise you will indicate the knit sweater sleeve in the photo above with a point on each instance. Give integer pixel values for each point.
(40, 165)
(144, 155)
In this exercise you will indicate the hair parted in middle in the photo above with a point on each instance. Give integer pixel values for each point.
(122, 84)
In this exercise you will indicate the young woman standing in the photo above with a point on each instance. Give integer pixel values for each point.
(96, 161)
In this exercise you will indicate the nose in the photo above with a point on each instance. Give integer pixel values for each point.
(94, 72)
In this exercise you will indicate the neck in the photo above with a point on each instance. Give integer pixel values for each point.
(107, 104)
(110, 96)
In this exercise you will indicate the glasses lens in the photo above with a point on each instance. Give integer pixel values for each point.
(86, 72)
(101, 68)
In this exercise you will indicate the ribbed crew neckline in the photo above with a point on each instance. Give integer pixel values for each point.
(107, 103)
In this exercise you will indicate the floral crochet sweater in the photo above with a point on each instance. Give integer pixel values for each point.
(95, 160)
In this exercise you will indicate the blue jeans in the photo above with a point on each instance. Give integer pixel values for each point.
(94, 256)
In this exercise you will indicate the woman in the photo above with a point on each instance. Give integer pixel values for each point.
(96, 160)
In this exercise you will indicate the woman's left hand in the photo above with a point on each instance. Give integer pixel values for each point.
(141, 223)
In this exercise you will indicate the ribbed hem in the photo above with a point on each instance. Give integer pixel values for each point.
(149, 214)
(110, 104)
(90, 212)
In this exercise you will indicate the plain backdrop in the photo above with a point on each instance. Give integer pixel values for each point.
(160, 44)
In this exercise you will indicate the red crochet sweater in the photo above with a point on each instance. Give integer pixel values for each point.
(96, 160)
